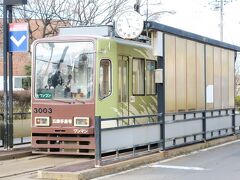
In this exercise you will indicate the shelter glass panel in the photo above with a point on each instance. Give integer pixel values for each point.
(170, 73)
(200, 77)
(191, 76)
(231, 57)
(217, 78)
(181, 74)
(225, 78)
(209, 75)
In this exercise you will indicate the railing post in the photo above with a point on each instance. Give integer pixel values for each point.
(233, 121)
(162, 134)
(98, 151)
(204, 128)
(161, 95)
(2, 129)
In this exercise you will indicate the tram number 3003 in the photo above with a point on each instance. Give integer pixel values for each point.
(80, 131)
(42, 110)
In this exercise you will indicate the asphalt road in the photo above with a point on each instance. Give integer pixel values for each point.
(216, 163)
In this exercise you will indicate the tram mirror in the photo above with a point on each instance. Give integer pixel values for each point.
(158, 76)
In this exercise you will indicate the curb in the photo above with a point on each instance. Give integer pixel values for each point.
(15, 155)
(132, 163)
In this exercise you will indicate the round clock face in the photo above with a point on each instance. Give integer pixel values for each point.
(129, 25)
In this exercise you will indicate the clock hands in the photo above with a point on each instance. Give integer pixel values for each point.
(128, 21)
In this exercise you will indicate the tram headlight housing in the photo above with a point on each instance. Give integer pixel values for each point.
(42, 121)
(81, 121)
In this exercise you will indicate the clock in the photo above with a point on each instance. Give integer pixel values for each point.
(129, 25)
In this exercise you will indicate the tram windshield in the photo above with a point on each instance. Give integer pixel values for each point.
(64, 70)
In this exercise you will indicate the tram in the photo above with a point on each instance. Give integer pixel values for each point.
(76, 78)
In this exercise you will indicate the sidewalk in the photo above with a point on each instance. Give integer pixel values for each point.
(17, 152)
(87, 170)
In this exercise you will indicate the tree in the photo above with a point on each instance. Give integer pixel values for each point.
(91, 12)
(45, 16)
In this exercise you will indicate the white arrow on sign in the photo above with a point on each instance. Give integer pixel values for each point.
(18, 42)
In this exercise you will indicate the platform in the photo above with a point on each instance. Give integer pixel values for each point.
(17, 152)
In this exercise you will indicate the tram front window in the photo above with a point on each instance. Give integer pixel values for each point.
(64, 70)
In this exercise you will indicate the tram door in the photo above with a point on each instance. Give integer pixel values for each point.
(123, 86)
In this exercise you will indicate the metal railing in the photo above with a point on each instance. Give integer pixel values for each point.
(207, 132)
(122, 124)
(174, 130)
(21, 128)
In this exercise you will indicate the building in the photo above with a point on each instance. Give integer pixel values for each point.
(22, 61)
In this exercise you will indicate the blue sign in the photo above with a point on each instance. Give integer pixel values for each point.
(18, 37)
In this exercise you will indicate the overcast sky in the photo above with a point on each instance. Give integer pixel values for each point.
(198, 17)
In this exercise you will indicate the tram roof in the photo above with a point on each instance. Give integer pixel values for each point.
(188, 35)
(105, 32)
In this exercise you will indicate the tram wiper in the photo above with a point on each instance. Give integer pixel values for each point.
(78, 100)
(70, 102)
(63, 54)
(58, 100)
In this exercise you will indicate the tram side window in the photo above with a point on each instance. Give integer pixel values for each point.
(138, 76)
(105, 79)
(150, 77)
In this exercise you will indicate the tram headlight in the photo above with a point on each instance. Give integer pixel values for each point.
(81, 121)
(42, 121)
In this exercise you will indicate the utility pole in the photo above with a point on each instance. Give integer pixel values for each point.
(219, 5)
(221, 21)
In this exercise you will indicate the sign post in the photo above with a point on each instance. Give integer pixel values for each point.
(7, 66)
(5, 73)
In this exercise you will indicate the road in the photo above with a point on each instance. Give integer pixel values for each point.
(221, 162)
